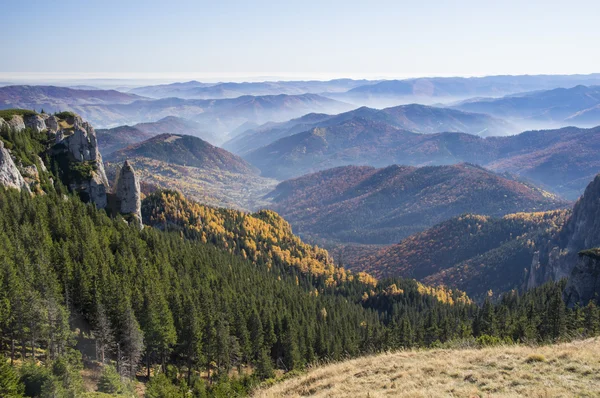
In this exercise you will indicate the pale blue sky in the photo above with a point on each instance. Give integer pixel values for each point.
(319, 39)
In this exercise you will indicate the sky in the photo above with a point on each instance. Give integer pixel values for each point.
(254, 40)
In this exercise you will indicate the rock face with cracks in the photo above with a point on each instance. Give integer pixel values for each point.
(9, 173)
(128, 193)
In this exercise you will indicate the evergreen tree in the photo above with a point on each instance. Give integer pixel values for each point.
(10, 386)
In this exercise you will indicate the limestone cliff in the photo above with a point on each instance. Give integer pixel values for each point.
(584, 282)
(128, 193)
(566, 255)
(77, 141)
(9, 173)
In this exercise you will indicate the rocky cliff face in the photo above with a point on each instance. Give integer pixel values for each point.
(128, 193)
(584, 282)
(9, 173)
(78, 142)
(563, 257)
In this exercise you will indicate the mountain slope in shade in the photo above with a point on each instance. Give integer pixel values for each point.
(201, 171)
(368, 205)
(555, 107)
(56, 99)
(413, 117)
(562, 160)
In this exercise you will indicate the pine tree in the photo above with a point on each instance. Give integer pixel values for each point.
(592, 318)
(10, 386)
(102, 332)
(130, 344)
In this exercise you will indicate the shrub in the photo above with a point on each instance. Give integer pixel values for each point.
(161, 387)
(488, 341)
(110, 381)
(535, 358)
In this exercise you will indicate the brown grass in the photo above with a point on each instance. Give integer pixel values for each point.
(562, 370)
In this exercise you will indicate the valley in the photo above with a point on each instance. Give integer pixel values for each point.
(269, 226)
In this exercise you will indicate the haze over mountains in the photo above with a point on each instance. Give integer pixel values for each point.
(414, 117)
(561, 160)
(198, 90)
(561, 106)
(461, 202)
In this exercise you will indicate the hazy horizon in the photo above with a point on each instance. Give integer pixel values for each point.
(235, 40)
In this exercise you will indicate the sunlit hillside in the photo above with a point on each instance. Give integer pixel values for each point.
(563, 370)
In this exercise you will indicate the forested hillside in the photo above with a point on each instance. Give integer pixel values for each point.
(470, 252)
(213, 304)
(382, 206)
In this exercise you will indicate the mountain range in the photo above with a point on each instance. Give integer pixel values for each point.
(381, 206)
(562, 160)
(56, 99)
(414, 117)
(198, 90)
(578, 106)
(428, 90)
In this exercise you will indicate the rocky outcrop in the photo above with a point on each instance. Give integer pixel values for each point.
(584, 282)
(78, 142)
(51, 124)
(128, 193)
(9, 174)
(16, 123)
(34, 122)
(567, 256)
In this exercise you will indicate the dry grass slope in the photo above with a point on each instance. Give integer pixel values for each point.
(563, 370)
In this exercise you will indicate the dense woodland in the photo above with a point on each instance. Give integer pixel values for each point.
(197, 311)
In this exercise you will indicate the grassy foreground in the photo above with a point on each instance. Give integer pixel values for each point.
(562, 370)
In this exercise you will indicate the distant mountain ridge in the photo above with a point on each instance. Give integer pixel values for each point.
(56, 99)
(197, 90)
(218, 116)
(382, 206)
(414, 117)
(428, 90)
(557, 107)
(562, 160)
